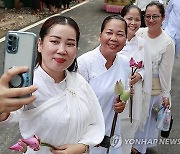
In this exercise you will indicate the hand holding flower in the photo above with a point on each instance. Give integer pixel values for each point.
(119, 105)
(135, 77)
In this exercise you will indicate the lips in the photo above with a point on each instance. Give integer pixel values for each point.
(112, 46)
(59, 60)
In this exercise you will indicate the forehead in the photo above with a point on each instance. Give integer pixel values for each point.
(152, 9)
(115, 24)
(133, 11)
(60, 29)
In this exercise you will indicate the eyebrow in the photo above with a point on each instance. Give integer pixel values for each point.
(69, 39)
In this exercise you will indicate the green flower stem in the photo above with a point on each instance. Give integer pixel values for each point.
(48, 145)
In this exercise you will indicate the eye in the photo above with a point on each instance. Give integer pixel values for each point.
(129, 19)
(71, 44)
(54, 42)
(109, 33)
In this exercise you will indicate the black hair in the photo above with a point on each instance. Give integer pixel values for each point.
(159, 5)
(126, 9)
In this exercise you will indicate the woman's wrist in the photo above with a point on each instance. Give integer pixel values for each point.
(85, 148)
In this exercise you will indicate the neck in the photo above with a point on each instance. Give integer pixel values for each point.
(109, 58)
(130, 36)
(58, 76)
(154, 33)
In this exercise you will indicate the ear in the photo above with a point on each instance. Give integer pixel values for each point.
(99, 37)
(39, 45)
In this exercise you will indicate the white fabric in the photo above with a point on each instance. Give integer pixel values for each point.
(162, 51)
(137, 49)
(162, 54)
(171, 24)
(64, 114)
(92, 67)
(148, 137)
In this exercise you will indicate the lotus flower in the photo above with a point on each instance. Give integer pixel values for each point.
(33, 142)
(20, 146)
(139, 64)
(119, 88)
(132, 62)
(134, 66)
(125, 95)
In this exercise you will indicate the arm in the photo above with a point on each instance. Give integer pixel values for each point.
(165, 71)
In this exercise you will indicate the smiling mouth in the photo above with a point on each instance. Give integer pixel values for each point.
(59, 60)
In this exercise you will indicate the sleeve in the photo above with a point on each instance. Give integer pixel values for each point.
(82, 68)
(165, 69)
(95, 132)
(12, 120)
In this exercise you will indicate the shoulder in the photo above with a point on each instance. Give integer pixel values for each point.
(88, 56)
(142, 32)
(76, 79)
(167, 39)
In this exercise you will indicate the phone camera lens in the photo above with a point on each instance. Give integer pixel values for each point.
(9, 48)
(10, 43)
(14, 38)
(10, 37)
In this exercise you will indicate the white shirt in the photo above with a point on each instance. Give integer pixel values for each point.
(162, 52)
(171, 23)
(92, 68)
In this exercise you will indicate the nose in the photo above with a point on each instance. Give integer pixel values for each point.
(114, 37)
(151, 18)
(61, 49)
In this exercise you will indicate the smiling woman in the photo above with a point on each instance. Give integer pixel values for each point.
(162, 51)
(62, 100)
(102, 68)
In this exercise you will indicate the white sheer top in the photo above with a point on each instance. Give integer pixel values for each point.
(162, 52)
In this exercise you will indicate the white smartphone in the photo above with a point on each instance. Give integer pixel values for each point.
(20, 50)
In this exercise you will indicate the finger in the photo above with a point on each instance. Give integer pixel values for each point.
(8, 75)
(17, 92)
(13, 104)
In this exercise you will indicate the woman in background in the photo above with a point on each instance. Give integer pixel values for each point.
(141, 81)
(162, 51)
(102, 68)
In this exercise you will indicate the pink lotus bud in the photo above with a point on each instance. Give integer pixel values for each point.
(119, 87)
(139, 64)
(20, 146)
(132, 62)
(32, 142)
